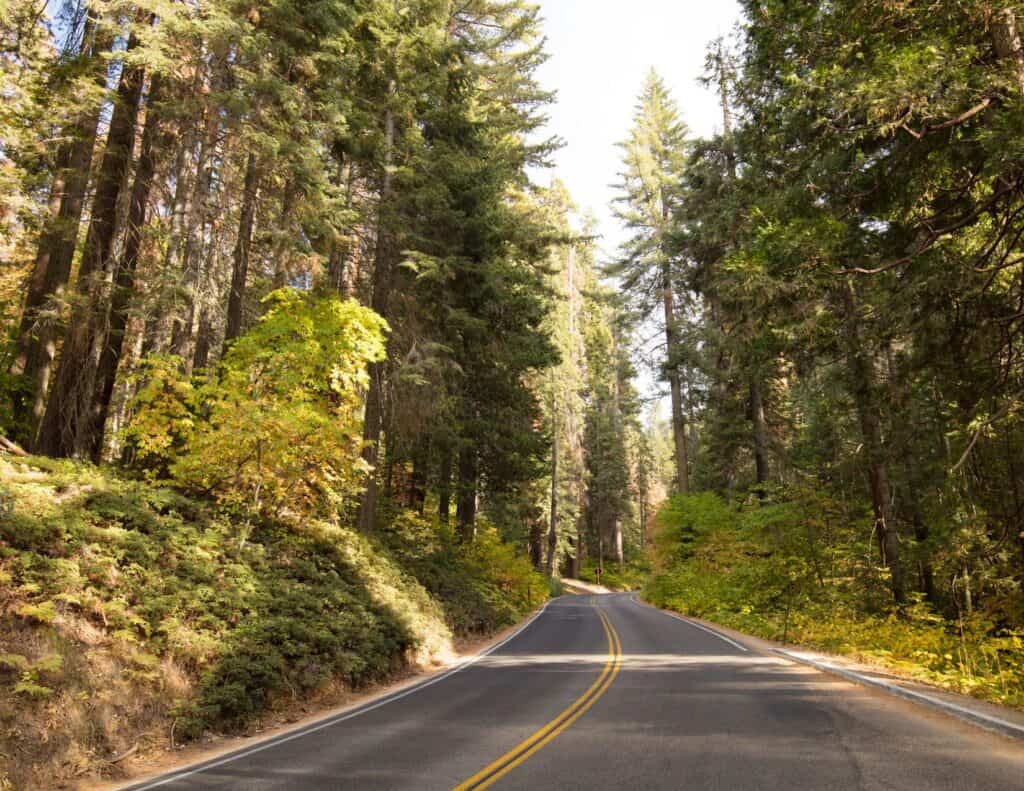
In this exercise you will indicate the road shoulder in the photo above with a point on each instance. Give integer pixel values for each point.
(990, 716)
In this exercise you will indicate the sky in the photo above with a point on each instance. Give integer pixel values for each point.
(601, 50)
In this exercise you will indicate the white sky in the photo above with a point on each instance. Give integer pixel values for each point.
(600, 52)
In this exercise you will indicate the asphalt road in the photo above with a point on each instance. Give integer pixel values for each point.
(600, 692)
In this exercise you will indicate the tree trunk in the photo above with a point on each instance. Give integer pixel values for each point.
(67, 422)
(1006, 36)
(760, 433)
(162, 314)
(553, 524)
(577, 555)
(124, 277)
(372, 422)
(865, 392)
(444, 486)
(280, 250)
(620, 557)
(642, 509)
(678, 424)
(418, 479)
(465, 512)
(373, 419)
(37, 333)
(185, 329)
(243, 247)
(204, 342)
(535, 542)
(898, 395)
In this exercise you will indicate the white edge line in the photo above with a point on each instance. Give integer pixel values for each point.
(337, 719)
(976, 717)
(688, 622)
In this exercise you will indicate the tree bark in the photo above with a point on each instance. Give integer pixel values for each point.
(1006, 36)
(418, 479)
(642, 509)
(37, 339)
(535, 544)
(185, 329)
(465, 513)
(162, 314)
(553, 523)
(760, 433)
(678, 424)
(124, 277)
(37, 333)
(865, 392)
(617, 541)
(898, 395)
(281, 244)
(243, 247)
(577, 555)
(444, 487)
(67, 422)
(204, 342)
(373, 418)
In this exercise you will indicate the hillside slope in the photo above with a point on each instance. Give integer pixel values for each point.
(133, 617)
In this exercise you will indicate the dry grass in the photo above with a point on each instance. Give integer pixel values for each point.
(100, 703)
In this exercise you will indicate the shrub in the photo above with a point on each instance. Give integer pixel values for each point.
(800, 570)
(279, 426)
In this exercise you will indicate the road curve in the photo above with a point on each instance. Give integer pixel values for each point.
(600, 692)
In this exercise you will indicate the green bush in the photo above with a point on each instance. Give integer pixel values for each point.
(483, 585)
(278, 427)
(800, 571)
(275, 610)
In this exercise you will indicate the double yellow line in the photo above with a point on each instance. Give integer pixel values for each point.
(494, 771)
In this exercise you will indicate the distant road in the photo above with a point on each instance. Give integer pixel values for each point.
(600, 692)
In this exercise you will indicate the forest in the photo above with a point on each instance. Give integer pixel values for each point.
(304, 376)
(247, 246)
(838, 273)
(297, 320)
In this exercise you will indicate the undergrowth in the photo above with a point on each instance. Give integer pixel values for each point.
(800, 572)
(131, 613)
(629, 577)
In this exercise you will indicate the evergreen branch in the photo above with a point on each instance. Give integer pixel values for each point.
(999, 415)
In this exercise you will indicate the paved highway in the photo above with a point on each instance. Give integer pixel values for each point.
(600, 692)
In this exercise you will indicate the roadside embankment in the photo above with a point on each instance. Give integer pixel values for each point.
(787, 573)
(133, 619)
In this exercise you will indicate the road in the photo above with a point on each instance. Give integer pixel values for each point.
(600, 692)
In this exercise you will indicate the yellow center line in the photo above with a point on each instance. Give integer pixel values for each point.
(494, 771)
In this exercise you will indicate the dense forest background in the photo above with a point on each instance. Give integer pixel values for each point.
(180, 176)
(839, 275)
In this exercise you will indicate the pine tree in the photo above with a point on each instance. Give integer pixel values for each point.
(654, 156)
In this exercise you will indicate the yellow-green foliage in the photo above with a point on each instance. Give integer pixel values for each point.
(128, 607)
(279, 425)
(482, 585)
(630, 577)
(802, 571)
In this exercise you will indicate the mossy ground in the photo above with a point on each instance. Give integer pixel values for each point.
(131, 615)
